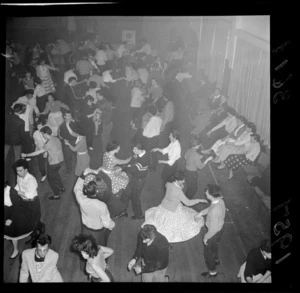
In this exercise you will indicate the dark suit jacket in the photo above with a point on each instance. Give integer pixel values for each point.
(14, 130)
(65, 134)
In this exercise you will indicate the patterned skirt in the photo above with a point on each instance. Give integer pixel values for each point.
(176, 226)
(119, 180)
(48, 84)
(234, 162)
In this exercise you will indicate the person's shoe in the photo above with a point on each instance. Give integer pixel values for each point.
(43, 178)
(54, 197)
(208, 275)
(217, 262)
(62, 189)
(14, 255)
(167, 278)
(222, 166)
(91, 148)
(138, 218)
(123, 214)
(230, 174)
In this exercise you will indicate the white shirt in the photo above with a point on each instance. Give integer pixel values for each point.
(39, 140)
(168, 113)
(7, 200)
(181, 76)
(145, 49)
(28, 184)
(68, 74)
(39, 91)
(137, 98)
(31, 106)
(174, 152)
(121, 50)
(153, 127)
(100, 57)
(143, 74)
(107, 77)
(94, 213)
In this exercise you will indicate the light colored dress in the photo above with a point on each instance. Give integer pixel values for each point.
(43, 73)
(83, 157)
(119, 179)
(171, 218)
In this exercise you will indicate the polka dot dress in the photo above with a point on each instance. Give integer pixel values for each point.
(234, 162)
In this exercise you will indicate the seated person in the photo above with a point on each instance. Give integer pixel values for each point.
(245, 155)
(257, 268)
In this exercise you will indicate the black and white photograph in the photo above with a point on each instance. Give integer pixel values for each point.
(138, 147)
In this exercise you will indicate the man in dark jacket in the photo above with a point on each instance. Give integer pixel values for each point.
(66, 133)
(15, 135)
(153, 250)
(138, 168)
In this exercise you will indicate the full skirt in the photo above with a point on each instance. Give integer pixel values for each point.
(176, 226)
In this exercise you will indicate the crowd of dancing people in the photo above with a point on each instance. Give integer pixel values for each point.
(51, 119)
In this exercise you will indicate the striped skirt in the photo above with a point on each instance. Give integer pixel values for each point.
(48, 84)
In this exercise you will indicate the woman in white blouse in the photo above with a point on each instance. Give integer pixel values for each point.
(173, 150)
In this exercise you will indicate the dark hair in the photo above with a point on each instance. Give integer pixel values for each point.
(231, 111)
(214, 190)
(29, 92)
(256, 136)
(42, 120)
(92, 84)
(139, 146)
(77, 128)
(38, 80)
(175, 133)
(43, 239)
(40, 60)
(252, 126)
(46, 130)
(19, 108)
(90, 189)
(86, 243)
(52, 95)
(152, 110)
(21, 163)
(265, 245)
(102, 187)
(70, 79)
(89, 98)
(67, 112)
(243, 119)
(148, 232)
(112, 146)
(177, 176)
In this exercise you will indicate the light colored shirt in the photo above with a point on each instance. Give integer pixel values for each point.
(174, 196)
(137, 98)
(174, 152)
(215, 218)
(145, 49)
(153, 127)
(84, 67)
(68, 74)
(107, 76)
(28, 184)
(39, 91)
(25, 117)
(253, 151)
(231, 123)
(181, 76)
(143, 74)
(39, 140)
(120, 51)
(31, 107)
(94, 213)
(54, 149)
(167, 114)
(100, 57)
